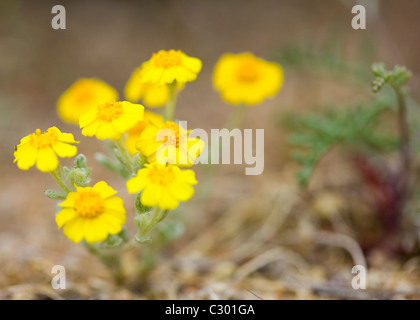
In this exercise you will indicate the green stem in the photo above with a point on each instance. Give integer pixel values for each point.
(58, 177)
(171, 103)
(405, 150)
(404, 130)
(111, 258)
(158, 216)
(237, 117)
(124, 152)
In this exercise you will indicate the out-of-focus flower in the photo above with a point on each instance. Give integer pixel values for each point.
(110, 120)
(135, 132)
(167, 140)
(91, 213)
(82, 96)
(165, 67)
(246, 79)
(151, 94)
(42, 149)
(162, 186)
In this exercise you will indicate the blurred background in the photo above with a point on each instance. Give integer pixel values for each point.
(243, 235)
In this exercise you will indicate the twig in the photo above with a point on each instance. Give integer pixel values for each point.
(343, 241)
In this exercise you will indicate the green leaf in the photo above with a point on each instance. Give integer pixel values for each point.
(314, 134)
(55, 195)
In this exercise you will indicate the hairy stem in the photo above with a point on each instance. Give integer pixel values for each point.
(57, 174)
(158, 216)
(171, 103)
(120, 145)
(111, 258)
(237, 117)
(404, 132)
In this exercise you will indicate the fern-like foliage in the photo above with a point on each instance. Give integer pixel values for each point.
(314, 134)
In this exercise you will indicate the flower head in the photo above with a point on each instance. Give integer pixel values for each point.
(91, 213)
(162, 186)
(165, 67)
(168, 142)
(110, 120)
(135, 132)
(151, 94)
(82, 96)
(42, 149)
(244, 78)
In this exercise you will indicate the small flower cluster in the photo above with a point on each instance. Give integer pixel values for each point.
(160, 181)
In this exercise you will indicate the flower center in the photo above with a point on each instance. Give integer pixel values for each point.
(167, 59)
(89, 204)
(84, 93)
(43, 140)
(248, 71)
(109, 111)
(161, 175)
(178, 138)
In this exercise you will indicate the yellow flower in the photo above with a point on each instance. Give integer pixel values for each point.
(162, 186)
(43, 149)
(110, 120)
(135, 132)
(91, 213)
(244, 78)
(165, 67)
(167, 140)
(152, 95)
(82, 96)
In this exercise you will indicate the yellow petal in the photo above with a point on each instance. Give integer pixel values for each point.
(107, 131)
(115, 204)
(104, 189)
(187, 176)
(66, 137)
(155, 96)
(130, 143)
(147, 144)
(135, 185)
(64, 150)
(64, 216)
(194, 64)
(69, 201)
(134, 87)
(150, 195)
(181, 191)
(91, 129)
(46, 160)
(82, 96)
(95, 230)
(88, 118)
(74, 229)
(25, 156)
(168, 201)
(112, 223)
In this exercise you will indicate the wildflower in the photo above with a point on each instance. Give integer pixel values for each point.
(162, 186)
(152, 95)
(91, 213)
(82, 96)
(244, 78)
(110, 120)
(135, 132)
(168, 142)
(165, 67)
(43, 149)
